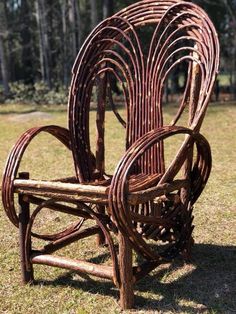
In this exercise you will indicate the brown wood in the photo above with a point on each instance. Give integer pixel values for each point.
(73, 264)
(63, 196)
(24, 213)
(68, 239)
(151, 193)
(61, 191)
(145, 199)
(101, 240)
(100, 124)
(58, 207)
(68, 188)
(126, 273)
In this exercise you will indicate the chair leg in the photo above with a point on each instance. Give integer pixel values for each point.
(126, 273)
(100, 240)
(187, 252)
(24, 214)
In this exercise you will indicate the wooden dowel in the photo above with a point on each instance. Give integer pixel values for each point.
(126, 273)
(194, 87)
(74, 236)
(63, 196)
(24, 215)
(100, 122)
(151, 193)
(100, 240)
(58, 207)
(84, 189)
(101, 271)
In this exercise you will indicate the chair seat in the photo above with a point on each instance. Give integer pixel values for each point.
(140, 188)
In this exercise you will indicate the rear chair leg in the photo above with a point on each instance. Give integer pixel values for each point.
(100, 240)
(126, 273)
(24, 214)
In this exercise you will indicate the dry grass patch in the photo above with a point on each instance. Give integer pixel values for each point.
(207, 285)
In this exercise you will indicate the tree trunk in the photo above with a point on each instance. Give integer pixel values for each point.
(108, 8)
(4, 70)
(3, 60)
(79, 24)
(234, 63)
(40, 37)
(74, 17)
(93, 13)
(64, 42)
(26, 42)
(45, 51)
(230, 7)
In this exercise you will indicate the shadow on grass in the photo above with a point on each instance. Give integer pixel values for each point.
(208, 283)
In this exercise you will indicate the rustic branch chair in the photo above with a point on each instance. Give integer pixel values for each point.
(145, 201)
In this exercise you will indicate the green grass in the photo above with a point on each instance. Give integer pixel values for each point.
(207, 285)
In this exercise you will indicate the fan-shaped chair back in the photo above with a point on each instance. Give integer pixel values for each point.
(183, 34)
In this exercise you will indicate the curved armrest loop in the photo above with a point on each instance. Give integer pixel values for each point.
(14, 160)
(118, 204)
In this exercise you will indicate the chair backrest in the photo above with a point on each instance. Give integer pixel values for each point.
(183, 34)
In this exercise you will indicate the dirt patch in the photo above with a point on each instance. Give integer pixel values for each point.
(30, 116)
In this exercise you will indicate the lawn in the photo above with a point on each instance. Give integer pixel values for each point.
(206, 285)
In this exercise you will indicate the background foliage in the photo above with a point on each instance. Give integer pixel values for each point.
(40, 39)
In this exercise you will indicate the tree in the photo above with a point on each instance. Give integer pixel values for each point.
(108, 8)
(94, 13)
(74, 18)
(40, 39)
(3, 59)
(26, 43)
(44, 43)
(223, 15)
(231, 10)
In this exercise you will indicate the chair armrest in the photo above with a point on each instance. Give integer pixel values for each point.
(14, 160)
(119, 195)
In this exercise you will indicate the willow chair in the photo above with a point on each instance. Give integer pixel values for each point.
(146, 203)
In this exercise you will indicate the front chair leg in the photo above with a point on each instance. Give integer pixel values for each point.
(187, 252)
(126, 273)
(24, 214)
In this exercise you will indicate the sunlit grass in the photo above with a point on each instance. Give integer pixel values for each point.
(205, 286)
